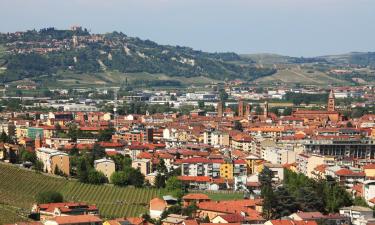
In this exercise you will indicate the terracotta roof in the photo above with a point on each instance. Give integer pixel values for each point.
(157, 204)
(347, 172)
(233, 218)
(196, 196)
(293, 222)
(309, 215)
(190, 222)
(77, 219)
(369, 166)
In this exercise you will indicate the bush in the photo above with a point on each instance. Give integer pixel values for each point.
(96, 177)
(49, 197)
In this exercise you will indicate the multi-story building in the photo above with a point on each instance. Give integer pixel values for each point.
(343, 147)
(198, 166)
(279, 156)
(52, 159)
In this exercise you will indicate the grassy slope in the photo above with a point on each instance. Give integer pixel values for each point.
(18, 188)
(114, 78)
(296, 75)
(11, 214)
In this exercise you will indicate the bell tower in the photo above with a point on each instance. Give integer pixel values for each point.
(331, 102)
(240, 108)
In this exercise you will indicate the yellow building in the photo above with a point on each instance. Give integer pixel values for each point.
(226, 171)
(21, 131)
(252, 162)
(369, 170)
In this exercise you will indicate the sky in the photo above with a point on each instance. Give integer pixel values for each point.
(289, 27)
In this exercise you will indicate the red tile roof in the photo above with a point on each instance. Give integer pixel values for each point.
(77, 219)
(196, 196)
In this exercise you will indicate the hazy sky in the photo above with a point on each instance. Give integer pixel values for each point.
(291, 27)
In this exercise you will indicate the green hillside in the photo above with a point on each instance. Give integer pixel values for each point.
(101, 53)
(18, 188)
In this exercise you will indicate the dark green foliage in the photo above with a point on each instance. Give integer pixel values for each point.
(190, 210)
(299, 98)
(359, 201)
(285, 203)
(82, 170)
(309, 200)
(223, 95)
(106, 135)
(4, 138)
(267, 193)
(49, 197)
(38, 166)
(174, 187)
(162, 173)
(323, 195)
(97, 152)
(96, 177)
(129, 176)
(27, 156)
(121, 161)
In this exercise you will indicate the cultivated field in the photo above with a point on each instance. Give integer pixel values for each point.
(297, 75)
(18, 188)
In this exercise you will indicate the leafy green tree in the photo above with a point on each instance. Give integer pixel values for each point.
(82, 170)
(96, 177)
(159, 180)
(238, 125)
(308, 200)
(269, 199)
(136, 178)
(27, 156)
(359, 201)
(38, 166)
(285, 203)
(97, 152)
(106, 135)
(190, 210)
(49, 197)
(174, 186)
(120, 178)
(4, 137)
(201, 104)
(223, 95)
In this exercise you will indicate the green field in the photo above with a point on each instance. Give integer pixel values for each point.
(18, 188)
(66, 79)
(301, 76)
(11, 214)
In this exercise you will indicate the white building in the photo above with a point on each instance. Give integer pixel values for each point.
(358, 215)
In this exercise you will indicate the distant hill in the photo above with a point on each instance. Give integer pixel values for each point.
(353, 58)
(33, 54)
(270, 59)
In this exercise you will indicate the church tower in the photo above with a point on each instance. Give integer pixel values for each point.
(220, 109)
(265, 110)
(240, 108)
(331, 102)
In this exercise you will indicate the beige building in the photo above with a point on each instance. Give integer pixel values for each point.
(306, 164)
(216, 138)
(106, 166)
(52, 158)
(144, 165)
